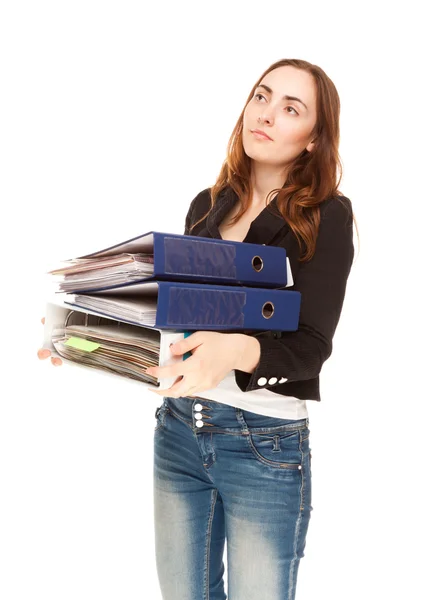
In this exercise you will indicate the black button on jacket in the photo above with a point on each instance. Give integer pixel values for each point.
(298, 355)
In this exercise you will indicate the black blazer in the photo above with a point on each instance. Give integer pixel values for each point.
(293, 357)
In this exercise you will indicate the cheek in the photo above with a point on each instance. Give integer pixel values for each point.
(292, 132)
(250, 113)
(248, 123)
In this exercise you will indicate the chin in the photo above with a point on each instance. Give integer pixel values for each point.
(253, 152)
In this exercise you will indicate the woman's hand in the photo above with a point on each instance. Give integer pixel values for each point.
(44, 353)
(213, 356)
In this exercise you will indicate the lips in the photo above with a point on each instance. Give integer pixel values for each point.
(261, 134)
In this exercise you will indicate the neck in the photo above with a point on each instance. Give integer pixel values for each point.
(264, 179)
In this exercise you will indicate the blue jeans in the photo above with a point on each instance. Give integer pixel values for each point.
(225, 473)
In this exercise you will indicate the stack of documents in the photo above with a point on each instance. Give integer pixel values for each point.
(83, 338)
(99, 272)
(166, 285)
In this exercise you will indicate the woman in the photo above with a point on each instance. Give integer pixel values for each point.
(238, 467)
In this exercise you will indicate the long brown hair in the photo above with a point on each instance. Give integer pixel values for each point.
(311, 177)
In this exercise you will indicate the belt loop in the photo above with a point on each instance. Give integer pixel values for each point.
(240, 419)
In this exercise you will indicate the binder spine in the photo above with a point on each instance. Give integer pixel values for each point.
(198, 258)
(187, 258)
(208, 307)
(202, 307)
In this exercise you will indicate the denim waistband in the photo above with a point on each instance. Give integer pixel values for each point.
(209, 415)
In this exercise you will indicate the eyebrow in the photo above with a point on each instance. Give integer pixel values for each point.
(270, 91)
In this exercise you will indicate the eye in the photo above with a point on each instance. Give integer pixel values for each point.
(292, 109)
(261, 96)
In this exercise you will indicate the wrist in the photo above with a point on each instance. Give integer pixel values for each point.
(248, 353)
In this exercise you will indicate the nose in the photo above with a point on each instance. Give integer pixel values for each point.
(265, 119)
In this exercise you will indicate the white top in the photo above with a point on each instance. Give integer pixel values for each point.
(261, 402)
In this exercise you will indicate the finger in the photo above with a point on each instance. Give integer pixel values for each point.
(189, 344)
(43, 320)
(166, 391)
(159, 392)
(181, 388)
(43, 353)
(176, 370)
(57, 362)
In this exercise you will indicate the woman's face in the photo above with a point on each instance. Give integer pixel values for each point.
(288, 122)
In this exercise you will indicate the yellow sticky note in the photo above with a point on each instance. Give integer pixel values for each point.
(82, 344)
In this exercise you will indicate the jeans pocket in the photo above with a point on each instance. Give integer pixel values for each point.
(281, 449)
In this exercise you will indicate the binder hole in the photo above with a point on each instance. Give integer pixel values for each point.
(257, 263)
(268, 310)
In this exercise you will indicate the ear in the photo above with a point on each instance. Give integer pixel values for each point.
(310, 146)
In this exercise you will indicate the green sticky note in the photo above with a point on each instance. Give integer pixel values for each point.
(82, 344)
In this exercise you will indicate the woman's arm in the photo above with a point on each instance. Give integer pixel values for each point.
(191, 211)
(299, 355)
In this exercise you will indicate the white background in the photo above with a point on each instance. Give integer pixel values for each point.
(113, 116)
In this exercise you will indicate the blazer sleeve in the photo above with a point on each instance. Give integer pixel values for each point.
(299, 355)
(191, 214)
(189, 217)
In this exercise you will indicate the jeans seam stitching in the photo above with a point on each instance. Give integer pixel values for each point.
(208, 539)
(294, 560)
(301, 508)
